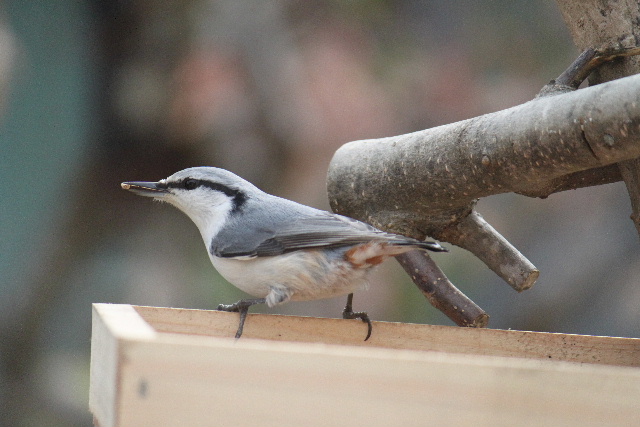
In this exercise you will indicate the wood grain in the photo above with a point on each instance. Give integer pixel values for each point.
(162, 367)
(451, 339)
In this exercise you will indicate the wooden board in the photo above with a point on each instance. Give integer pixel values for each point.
(156, 366)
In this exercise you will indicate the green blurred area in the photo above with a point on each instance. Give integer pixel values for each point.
(96, 93)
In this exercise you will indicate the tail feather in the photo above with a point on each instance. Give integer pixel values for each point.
(400, 240)
(432, 246)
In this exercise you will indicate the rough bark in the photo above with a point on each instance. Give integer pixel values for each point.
(420, 183)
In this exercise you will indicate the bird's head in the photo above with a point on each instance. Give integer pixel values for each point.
(207, 195)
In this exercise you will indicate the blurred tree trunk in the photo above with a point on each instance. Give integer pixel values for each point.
(599, 24)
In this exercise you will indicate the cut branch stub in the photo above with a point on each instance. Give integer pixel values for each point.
(474, 234)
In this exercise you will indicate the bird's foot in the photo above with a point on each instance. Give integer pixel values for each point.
(241, 307)
(348, 313)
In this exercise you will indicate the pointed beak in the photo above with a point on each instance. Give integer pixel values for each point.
(148, 189)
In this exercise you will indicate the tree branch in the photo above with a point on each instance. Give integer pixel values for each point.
(420, 183)
(588, 61)
(440, 292)
(479, 237)
(427, 183)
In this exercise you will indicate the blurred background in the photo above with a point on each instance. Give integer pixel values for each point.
(93, 93)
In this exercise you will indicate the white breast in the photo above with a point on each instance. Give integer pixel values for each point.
(302, 275)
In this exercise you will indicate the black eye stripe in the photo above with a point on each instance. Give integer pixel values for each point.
(238, 196)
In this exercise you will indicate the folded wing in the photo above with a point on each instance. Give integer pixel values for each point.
(321, 230)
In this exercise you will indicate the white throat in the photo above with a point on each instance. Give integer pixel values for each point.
(207, 209)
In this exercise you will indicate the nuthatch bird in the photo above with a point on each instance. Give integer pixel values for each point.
(275, 249)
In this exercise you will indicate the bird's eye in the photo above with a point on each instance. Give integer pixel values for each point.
(190, 184)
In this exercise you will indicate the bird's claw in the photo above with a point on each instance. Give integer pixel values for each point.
(348, 313)
(362, 316)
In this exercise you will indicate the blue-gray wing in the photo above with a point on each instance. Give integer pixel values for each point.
(318, 230)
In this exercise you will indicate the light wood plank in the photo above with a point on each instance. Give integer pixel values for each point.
(165, 367)
(112, 325)
(540, 345)
(225, 383)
